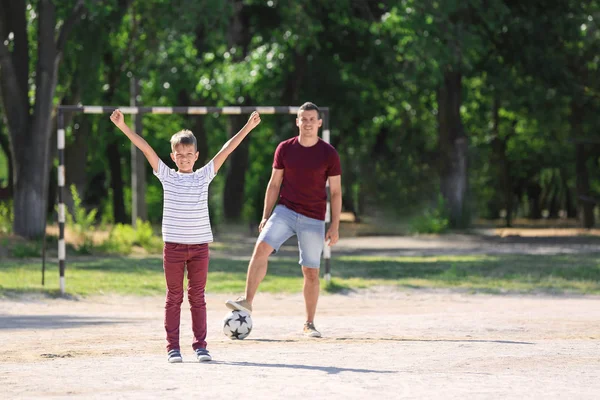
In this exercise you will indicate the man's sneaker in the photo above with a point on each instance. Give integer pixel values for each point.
(240, 304)
(202, 355)
(310, 330)
(174, 356)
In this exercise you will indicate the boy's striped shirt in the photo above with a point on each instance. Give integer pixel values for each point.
(185, 204)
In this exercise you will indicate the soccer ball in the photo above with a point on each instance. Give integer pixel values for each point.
(237, 325)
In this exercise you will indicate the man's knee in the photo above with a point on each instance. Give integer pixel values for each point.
(311, 274)
(262, 250)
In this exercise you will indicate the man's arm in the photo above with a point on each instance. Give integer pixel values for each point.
(271, 196)
(235, 141)
(139, 142)
(335, 193)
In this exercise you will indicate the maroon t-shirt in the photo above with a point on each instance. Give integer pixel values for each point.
(305, 174)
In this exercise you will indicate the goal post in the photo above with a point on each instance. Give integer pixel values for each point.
(231, 110)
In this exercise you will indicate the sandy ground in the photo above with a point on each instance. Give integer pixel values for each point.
(377, 344)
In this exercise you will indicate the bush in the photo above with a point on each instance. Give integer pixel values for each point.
(6, 216)
(81, 223)
(123, 237)
(24, 250)
(120, 240)
(144, 236)
(433, 220)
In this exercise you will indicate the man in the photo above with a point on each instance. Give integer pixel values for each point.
(301, 167)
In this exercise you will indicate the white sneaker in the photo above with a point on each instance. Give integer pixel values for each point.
(240, 304)
(174, 356)
(310, 330)
(202, 355)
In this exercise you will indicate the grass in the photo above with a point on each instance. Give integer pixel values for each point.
(557, 274)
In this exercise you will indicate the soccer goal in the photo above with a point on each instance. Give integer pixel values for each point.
(293, 110)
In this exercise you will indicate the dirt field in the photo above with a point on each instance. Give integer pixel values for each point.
(377, 344)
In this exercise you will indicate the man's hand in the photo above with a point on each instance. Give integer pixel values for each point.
(254, 120)
(332, 235)
(117, 118)
(262, 224)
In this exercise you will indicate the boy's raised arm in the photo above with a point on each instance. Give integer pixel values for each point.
(235, 141)
(139, 142)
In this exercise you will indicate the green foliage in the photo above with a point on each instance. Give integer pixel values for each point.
(433, 220)
(81, 223)
(378, 66)
(26, 250)
(6, 216)
(120, 240)
(123, 237)
(144, 237)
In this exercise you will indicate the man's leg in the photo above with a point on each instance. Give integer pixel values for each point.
(311, 238)
(279, 228)
(257, 269)
(311, 291)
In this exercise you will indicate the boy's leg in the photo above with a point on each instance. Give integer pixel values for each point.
(279, 228)
(174, 265)
(311, 239)
(197, 271)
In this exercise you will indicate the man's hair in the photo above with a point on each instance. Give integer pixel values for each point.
(308, 106)
(184, 137)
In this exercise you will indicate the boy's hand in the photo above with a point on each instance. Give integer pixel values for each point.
(254, 120)
(117, 118)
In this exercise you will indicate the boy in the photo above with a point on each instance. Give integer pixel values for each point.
(301, 167)
(185, 227)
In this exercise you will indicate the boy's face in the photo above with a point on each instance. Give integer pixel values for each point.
(184, 156)
(308, 123)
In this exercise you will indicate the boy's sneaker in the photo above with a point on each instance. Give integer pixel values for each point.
(310, 330)
(240, 304)
(202, 355)
(174, 356)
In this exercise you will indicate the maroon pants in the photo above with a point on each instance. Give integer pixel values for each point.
(176, 257)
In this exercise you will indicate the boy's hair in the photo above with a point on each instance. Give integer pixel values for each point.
(308, 106)
(184, 137)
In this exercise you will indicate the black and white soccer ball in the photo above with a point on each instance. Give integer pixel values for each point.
(237, 325)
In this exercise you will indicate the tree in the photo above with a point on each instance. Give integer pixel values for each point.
(29, 120)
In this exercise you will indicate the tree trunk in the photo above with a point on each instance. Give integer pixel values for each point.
(554, 197)
(453, 148)
(499, 148)
(534, 194)
(5, 144)
(586, 204)
(30, 131)
(138, 163)
(569, 203)
(349, 200)
(116, 183)
(76, 160)
(235, 181)
(33, 145)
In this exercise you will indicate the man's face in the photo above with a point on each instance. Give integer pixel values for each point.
(184, 156)
(308, 122)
